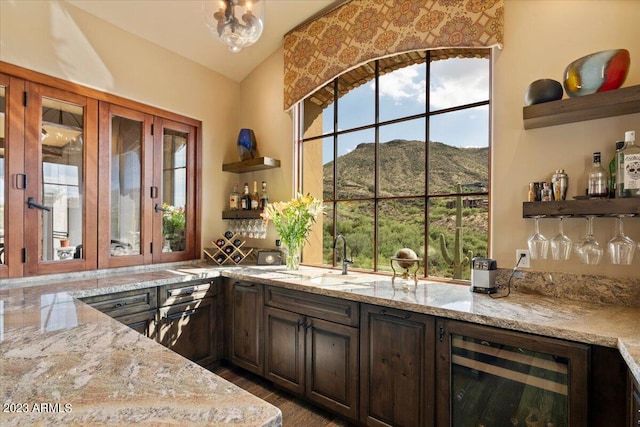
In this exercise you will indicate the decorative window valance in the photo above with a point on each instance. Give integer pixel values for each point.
(363, 30)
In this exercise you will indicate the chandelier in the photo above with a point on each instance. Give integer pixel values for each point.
(238, 23)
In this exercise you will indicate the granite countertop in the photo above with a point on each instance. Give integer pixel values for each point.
(56, 349)
(64, 363)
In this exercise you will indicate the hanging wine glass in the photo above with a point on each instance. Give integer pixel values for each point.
(538, 244)
(561, 244)
(621, 247)
(589, 250)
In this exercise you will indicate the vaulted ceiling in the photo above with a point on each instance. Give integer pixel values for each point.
(178, 26)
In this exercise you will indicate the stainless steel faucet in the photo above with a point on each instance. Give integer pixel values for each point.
(345, 260)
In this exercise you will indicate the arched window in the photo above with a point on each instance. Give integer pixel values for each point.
(362, 148)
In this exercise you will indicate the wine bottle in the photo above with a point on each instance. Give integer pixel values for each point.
(613, 170)
(629, 170)
(246, 199)
(233, 198)
(255, 198)
(264, 196)
(598, 179)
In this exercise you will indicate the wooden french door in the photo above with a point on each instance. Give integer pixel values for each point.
(11, 170)
(59, 183)
(174, 192)
(126, 176)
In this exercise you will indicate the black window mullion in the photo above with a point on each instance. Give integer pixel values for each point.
(427, 138)
(376, 169)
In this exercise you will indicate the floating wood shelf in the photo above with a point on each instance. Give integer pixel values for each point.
(241, 214)
(252, 165)
(587, 207)
(598, 105)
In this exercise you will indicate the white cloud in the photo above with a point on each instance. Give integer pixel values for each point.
(453, 82)
(401, 85)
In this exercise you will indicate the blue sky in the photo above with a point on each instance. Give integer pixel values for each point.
(402, 93)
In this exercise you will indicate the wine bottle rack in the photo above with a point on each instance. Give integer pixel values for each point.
(234, 255)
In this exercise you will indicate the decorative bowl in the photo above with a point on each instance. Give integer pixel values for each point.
(543, 90)
(598, 72)
(246, 144)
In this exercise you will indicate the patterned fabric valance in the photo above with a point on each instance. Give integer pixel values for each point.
(362, 30)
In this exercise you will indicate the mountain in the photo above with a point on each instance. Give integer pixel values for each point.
(402, 169)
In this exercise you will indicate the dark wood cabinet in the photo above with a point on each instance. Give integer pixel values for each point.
(189, 329)
(490, 376)
(634, 402)
(246, 340)
(189, 320)
(136, 308)
(396, 367)
(310, 356)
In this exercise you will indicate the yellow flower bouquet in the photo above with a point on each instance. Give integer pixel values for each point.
(293, 221)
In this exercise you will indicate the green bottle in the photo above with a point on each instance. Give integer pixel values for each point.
(613, 170)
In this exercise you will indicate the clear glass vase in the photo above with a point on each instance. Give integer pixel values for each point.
(292, 255)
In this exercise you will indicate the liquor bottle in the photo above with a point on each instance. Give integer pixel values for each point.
(255, 197)
(233, 198)
(613, 170)
(546, 192)
(629, 167)
(246, 199)
(531, 197)
(598, 179)
(264, 196)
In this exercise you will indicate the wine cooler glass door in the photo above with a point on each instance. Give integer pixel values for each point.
(499, 378)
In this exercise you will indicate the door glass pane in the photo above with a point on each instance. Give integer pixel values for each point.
(3, 124)
(126, 158)
(174, 190)
(62, 174)
(533, 387)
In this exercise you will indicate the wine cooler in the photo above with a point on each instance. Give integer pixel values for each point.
(498, 378)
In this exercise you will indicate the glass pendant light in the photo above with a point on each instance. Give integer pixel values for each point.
(237, 23)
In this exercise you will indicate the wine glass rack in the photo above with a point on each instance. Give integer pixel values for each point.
(228, 250)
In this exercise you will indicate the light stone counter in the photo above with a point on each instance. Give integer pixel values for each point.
(579, 321)
(65, 363)
(56, 349)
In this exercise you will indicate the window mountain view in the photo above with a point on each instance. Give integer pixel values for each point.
(456, 176)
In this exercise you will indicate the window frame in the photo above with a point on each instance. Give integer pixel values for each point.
(300, 140)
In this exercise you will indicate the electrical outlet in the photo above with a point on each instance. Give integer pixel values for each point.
(525, 262)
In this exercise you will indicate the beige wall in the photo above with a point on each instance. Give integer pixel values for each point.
(541, 37)
(60, 40)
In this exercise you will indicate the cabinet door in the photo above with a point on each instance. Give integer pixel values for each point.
(174, 194)
(490, 376)
(144, 323)
(126, 170)
(396, 367)
(284, 349)
(634, 403)
(61, 190)
(11, 175)
(332, 366)
(190, 330)
(247, 341)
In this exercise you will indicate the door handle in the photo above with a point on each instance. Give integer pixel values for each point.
(158, 208)
(31, 203)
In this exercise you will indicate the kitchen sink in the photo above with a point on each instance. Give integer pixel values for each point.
(332, 279)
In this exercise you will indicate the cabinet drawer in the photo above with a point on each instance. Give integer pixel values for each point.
(322, 307)
(125, 303)
(178, 293)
